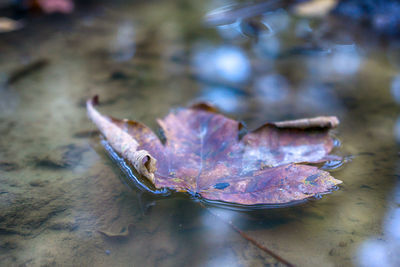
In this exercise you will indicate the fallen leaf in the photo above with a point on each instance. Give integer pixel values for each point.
(204, 155)
(54, 6)
(8, 25)
(315, 8)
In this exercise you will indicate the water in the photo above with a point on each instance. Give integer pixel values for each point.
(59, 187)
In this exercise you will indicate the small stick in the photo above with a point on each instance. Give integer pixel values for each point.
(121, 235)
(250, 239)
(25, 70)
(317, 122)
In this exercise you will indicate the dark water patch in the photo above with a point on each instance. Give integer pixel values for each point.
(63, 225)
(26, 218)
(47, 163)
(372, 154)
(147, 55)
(299, 51)
(38, 183)
(118, 75)
(6, 127)
(8, 245)
(86, 134)
(64, 157)
(8, 166)
(27, 70)
(181, 57)
(364, 186)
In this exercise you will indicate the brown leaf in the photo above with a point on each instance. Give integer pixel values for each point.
(8, 25)
(54, 6)
(315, 8)
(203, 154)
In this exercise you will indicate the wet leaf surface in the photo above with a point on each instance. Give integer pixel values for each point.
(203, 154)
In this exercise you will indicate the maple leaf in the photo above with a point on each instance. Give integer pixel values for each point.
(204, 155)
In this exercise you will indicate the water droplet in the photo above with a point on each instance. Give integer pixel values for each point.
(221, 186)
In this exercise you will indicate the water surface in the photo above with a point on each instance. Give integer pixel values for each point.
(59, 188)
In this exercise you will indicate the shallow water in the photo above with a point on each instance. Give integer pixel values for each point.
(59, 189)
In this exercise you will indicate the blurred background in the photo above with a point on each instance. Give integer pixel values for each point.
(257, 61)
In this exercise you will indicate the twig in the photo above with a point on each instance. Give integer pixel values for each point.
(317, 122)
(250, 239)
(23, 71)
(125, 234)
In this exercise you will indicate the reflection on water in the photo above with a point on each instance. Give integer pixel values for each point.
(383, 250)
(276, 21)
(345, 59)
(123, 46)
(58, 187)
(230, 31)
(223, 63)
(8, 101)
(342, 60)
(303, 28)
(272, 87)
(320, 97)
(226, 99)
(395, 88)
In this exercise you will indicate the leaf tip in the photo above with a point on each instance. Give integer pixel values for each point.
(322, 122)
(93, 101)
(205, 106)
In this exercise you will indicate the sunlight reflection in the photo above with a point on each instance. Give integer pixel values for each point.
(123, 46)
(230, 31)
(216, 224)
(373, 253)
(397, 130)
(343, 59)
(397, 195)
(272, 88)
(383, 251)
(224, 63)
(392, 224)
(225, 258)
(276, 21)
(216, 10)
(319, 97)
(226, 99)
(395, 88)
(377, 252)
(267, 45)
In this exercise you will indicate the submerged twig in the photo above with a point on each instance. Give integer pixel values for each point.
(111, 235)
(25, 70)
(250, 239)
